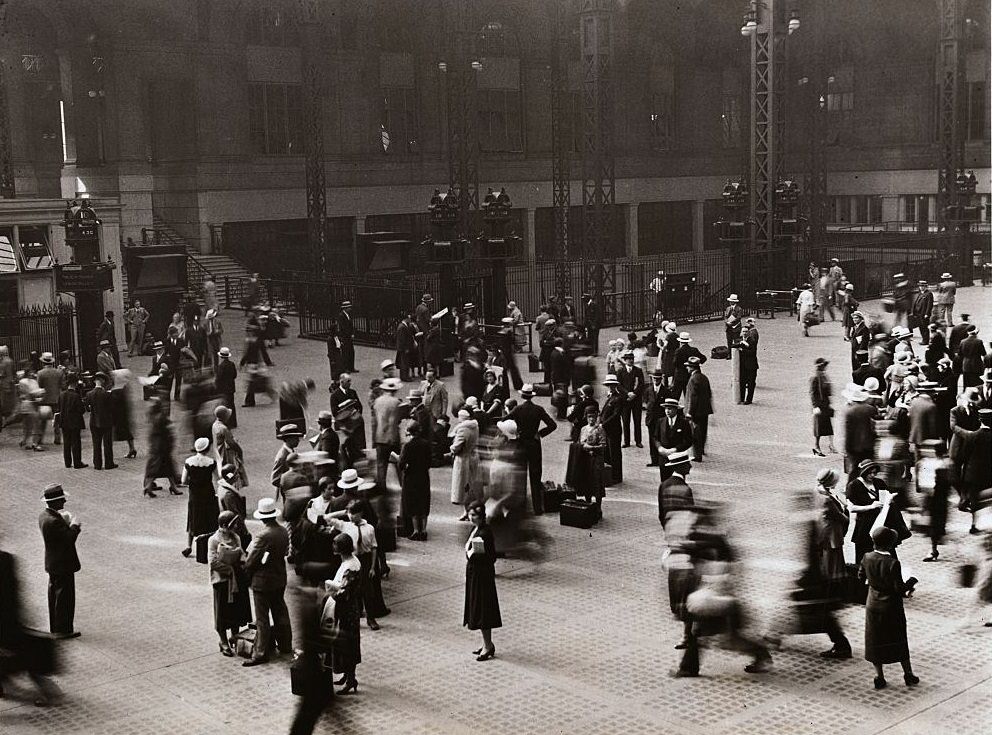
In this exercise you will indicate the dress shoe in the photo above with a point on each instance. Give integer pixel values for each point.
(651, 464)
(626, 446)
(911, 679)
(131, 455)
(486, 655)
(759, 666)
(682, 674)
(150, 494)
(373, 625)
(112, 466)
(836, 653)
(880, 682)
(255, 662)
(974, 531)
(82, 466)
(186, 552)
(640, 446)
(681, 645)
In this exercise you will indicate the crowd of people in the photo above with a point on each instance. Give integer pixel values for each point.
(918, 425)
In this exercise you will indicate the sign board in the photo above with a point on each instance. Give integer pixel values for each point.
(90, 277)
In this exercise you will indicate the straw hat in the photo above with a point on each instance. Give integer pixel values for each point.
(349, 479)
(266, 509)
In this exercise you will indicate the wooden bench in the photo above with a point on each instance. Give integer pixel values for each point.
(768, 302)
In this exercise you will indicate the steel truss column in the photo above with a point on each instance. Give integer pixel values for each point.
(763, 163)
(949, 62)
(316, 184)
(561, 149)
(463, 140)
(598, 166)
(6, 165)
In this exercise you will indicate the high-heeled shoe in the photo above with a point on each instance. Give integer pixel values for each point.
(880, 682)
(150, 494)
(226, 650)
(933, 556)
(818, 453)
(351, 687)
(909, 587)
(187, 551)
(486, 655)
(175, 491)
(131, 455)
(911, 679)
(477, 651)
(373, 625)
(341, 681)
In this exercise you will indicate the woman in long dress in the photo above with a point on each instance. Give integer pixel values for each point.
(120, 405)
(343, 606)
(807, 308)
(203, 508)
(465, 468)
(415, 469)
(820, 391)
(226, 448)
(481, 601)
(886, 640)
(226, 558)
(584, 473)
(161, 443)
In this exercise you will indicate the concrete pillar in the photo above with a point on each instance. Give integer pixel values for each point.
(698, 225)
(530, 242)
(633, 242)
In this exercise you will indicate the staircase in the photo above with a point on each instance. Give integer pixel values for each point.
(218, 268)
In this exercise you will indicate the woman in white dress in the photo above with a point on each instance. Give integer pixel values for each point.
(807, 307)
(465, 469)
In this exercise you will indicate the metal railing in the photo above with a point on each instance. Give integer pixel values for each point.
(49, 328)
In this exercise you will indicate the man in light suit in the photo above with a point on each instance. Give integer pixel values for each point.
(385, 427)
(266, 566)
(435, 394)
(105, 359)
(59, 531)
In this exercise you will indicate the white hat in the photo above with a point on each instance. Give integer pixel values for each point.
(508, 428)
(685, 338)
(266, 509)
(391, 384)
(678, 458)
(464, 414)
(611, 379)
(472, 401)
(854, 393)
(733, 298)
(527, 389)
(201, 444)
(48, 358)
(349, 479)
(946, 276)
(871, 385)
(670, 327)
(387, 363)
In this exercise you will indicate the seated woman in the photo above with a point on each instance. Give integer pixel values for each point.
(584, 472)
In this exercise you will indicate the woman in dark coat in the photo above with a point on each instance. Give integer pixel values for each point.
(203, 509)
(481, 602)
(885, 618)
(584, 401)
(584, 472)
(865, 500)
(415, 469)
(226, 556)
(819, 395)
(120, 406)
(343, 610)
(161, 443)
(232, 500)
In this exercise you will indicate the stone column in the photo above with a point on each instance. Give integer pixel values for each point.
(633, 244)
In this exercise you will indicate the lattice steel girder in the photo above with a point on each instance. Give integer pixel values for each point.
(316, 184)
(763, 163)
(598, 167)
(949, 62)
(6, 164)
(561, 145)
(460, 92)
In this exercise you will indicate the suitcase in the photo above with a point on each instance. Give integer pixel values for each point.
(578, 514)
(720, 352)
(583, 372)
(554, 495)
(606, 475)
(200, 544)
(244, 642)
(855, 591)
(533, 363)
(543, 390)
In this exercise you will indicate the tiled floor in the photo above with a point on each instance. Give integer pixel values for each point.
(588, 636)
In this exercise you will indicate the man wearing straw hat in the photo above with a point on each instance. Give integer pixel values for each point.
(529, 417)
(732, 316)
(385, 427)
(60, 529)
(266, 566)
(943, 307)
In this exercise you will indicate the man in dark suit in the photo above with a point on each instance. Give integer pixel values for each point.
(654, 400)
(860, 340)
(225, 383)
(985, 390)
(698, 407)
(101, 423)
(749, 361)
(158, 357)
(674, 494)
(972, 354)
(919, 314)
(107, 331)
(59, 531)
(559, 366)
(975, 462)
(593, 320)
(266, 566)
(610, 418)
(343, 392)
(529, 417)
(682, 355)
(859, 430)
(71, 410)
(346, 334)
(175, 349)
(631, 380)
(673, 433)
(406, 347)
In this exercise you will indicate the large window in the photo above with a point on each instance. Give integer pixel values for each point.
(270, 27)
(977, 129)
(275, 114)
(8, 259)
(500, 120)
(24, 248)
(399, 124)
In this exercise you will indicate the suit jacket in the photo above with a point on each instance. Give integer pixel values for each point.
(631, 380)
(958, 332)
(101, 412)
(386, 420)
(683, 353)
(72, 409)
(345, 328)
(270, 575)
(923, 420)
(340, 395)
(106, 331)
(860, 337)
(423, 317)
(225, 377)
(961, 420)
(50, 380)
(676, 436)
(749, 352)
(698, 396)
(673, 495)
(529, 417)
(610, 414)
(985, 395)
(435, 397)
(157, 363)
(592, 315)
(405, 341)
(923, 306)
(105, 362)
(859, 429)
(971, 350)
(60, 543)
(561, 366)
(975, 457)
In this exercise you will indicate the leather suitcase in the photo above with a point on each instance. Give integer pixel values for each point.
(578, 514)
(555, 495)
(200, 544)
(533, 363)
(244, 642)
(543, 390)
(583, 372)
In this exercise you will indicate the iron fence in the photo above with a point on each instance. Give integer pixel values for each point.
(47, 328)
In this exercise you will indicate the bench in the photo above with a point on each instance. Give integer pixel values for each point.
(768, 302)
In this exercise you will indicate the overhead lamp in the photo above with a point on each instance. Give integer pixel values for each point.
(476, 65)
(442, 66)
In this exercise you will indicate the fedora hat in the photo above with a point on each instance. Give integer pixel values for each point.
(387, 363)
(53, 492)
(158, 345)
(507, 428)
(693, 362)
(684, 338)
(289, 430)
(733, 298)
(266, 509)
(611, 379)
(670, 327)
(391, 384)
(349, 479)
(48, 358)
(527, 389)
(671, 403)
(821, 361)
(677, 459)
(427, 298)
(345, 304)
(224, 352)
(416, 395)
(102, 376)
(468, 306)
(854, 393)
(657, 373)
(871, 386)
(105, 343)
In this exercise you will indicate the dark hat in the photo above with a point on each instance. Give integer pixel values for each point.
(102, 376)
(657, 373)
(884, 538)
(821, 361)
(865, 465)
(693, 361)
(53, 492)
